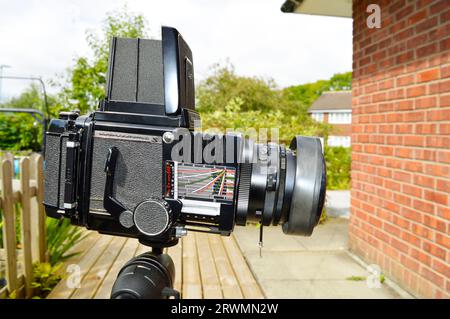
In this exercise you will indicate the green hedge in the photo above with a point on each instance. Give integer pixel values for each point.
(338, 163)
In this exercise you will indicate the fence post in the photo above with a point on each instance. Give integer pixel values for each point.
(9, 229)
(26, 224)
(42, 242)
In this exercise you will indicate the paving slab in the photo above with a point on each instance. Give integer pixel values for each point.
(308, 267)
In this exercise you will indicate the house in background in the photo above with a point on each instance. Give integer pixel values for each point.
(335, 108)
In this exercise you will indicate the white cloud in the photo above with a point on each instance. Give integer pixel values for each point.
(43, 37)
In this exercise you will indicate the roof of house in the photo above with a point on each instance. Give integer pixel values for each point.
(335, 8)
(337, 100)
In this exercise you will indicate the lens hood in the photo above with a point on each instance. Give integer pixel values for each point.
(308, 195)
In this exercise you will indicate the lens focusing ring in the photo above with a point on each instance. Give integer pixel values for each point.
(243, 194)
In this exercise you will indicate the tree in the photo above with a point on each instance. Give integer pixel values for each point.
(21, 132)
(84, 85)
(309, 92)
(226, 100)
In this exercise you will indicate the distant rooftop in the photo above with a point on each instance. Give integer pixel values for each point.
(336, 100)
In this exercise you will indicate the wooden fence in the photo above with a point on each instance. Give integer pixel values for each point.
(22, 194)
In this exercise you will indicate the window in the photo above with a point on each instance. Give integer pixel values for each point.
(317, 116)
(344, 141)
(340, 118)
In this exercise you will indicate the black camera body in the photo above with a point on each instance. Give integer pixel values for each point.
(137, 168)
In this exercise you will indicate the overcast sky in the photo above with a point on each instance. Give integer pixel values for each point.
(42, 37)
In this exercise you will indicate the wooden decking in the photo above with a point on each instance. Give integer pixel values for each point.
(207, 266)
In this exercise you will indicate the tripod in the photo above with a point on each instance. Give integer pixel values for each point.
(147, 276)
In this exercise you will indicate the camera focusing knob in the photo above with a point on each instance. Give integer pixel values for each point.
(152, 217)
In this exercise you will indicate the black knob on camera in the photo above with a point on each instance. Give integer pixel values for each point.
(152, 217)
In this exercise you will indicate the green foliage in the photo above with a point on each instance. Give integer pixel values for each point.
(226, 100)
(61, 236)
(30, 98)
(356, 278)
(217, 91)
(19, 132)
(84, 85)
(309, 92)
(338, 164)
(45, 278)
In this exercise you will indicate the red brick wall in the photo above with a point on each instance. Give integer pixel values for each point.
(400, 216)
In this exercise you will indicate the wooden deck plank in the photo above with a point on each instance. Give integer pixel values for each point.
(142, 249)
(99, 270)
(176, 253)
(192, 286)
(247, 282)
(228, 281)
(208, 272)
(206, 266)
(63, 290)
(128, 251)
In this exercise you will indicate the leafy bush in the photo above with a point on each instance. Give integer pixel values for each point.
(61, 236)
(19, 132)
(338, 163)
(45, 278)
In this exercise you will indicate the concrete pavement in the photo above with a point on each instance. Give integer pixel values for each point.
(308, 267)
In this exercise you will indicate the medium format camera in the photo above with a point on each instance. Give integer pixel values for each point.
(137, 168)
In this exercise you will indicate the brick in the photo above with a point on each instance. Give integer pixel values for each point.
(402, 176)
(443, 185)
(425, 102)
(434, 222)
(416, 91)
(427, 128)
(412, 239)
(412, 190)
(411, 214)
(434, 250)
(426, 50)
(416, 17)
(422, 232)
(414, 140)
(437, 141)
(439, 6)
(443, 240)
(423, 206)
(410, 263)
(425, 181)
(438, 115)
(428, 75)
(421, 256)
(443, 156)
(405, 80)
(399, 245)
(441, 268)
(432, 276)
(436, 197)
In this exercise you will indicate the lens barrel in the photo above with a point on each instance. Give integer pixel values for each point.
(283, 186)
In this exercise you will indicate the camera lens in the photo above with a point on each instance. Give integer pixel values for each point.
(282, 186)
